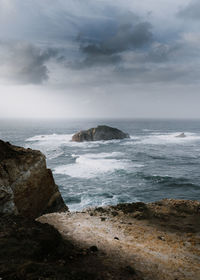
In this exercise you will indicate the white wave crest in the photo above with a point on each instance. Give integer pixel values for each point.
(157, 138)
(65, 139)
(92, 165)
(50, 137)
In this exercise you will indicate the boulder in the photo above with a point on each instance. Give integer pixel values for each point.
(182, 135)
(101, 132)
(27, 187)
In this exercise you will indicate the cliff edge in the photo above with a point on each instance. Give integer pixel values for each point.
(27, 187)
(154, 241)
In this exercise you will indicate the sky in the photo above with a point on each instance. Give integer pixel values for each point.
(99, 59)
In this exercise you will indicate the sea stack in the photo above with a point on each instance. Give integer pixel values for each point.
(27, 187)
(182, 135)
(101, 132)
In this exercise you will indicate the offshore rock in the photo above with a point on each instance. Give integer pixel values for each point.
(182, 135)
(101, 132)
(27, 187)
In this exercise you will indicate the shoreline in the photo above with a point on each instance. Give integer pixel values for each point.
(129, 241)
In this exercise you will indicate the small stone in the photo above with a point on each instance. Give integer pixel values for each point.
(103, 219)
(84, 253)
(114, 213)
(116, 238)
(161, 238)
(93, 249)
(130, 270)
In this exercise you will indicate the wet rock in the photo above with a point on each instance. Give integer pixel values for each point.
(182, 135)
(101, 132)
(27, 187)
(161, 238)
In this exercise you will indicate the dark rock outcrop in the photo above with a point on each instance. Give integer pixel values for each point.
(101, 132)
(27, 187)
(31, 250)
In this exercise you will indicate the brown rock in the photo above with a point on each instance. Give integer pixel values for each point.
(27, 187)
(101, 132)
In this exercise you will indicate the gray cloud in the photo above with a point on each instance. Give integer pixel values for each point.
(126, 37)
(125, 60)
(117, 37)
(160, 52)
(24, 62)
(191, 11)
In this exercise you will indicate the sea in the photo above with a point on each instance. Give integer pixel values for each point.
(151, 165)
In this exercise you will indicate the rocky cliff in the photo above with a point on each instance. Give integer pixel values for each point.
(27, 187)
(101, 132)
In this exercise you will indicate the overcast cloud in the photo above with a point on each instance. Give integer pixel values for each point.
(91, 52)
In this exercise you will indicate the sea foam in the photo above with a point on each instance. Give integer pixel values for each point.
(92, 165)
(157, 138)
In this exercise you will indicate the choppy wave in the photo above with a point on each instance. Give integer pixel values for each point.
(52, 144)
(168, 181)
(119, 165)
(157, 138)
(100, 199)
(154, 138)
(92, 165)
(58, 138)
(151, 165)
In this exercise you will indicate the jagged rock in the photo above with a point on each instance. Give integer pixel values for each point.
(182, 135)
(101, 132)
(27, 187)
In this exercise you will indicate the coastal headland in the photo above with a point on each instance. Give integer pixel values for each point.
(159, 240)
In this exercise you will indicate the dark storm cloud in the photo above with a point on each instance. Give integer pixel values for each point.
(132, 44)
(24, 62)
(159, 74)
(191, 11)
(125, 37)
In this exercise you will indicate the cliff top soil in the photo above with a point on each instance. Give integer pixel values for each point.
(157, 241)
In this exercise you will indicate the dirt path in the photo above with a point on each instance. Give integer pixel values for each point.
(158, 241)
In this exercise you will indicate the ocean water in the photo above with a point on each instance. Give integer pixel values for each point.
(153, 164)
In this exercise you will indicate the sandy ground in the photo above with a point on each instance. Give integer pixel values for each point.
(160, 241)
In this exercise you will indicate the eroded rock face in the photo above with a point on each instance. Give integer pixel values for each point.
(27, 187)
(101, 132)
